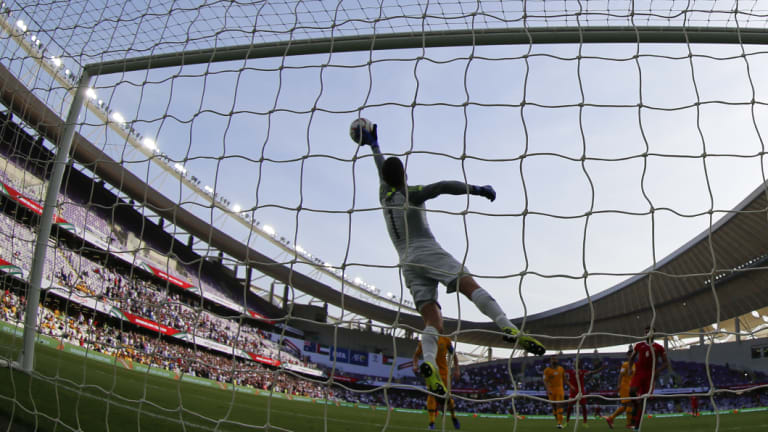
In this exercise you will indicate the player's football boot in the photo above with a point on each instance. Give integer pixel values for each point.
(456, 424)
(431, 426)
(609, 421)
(432, 379)
(527, 343)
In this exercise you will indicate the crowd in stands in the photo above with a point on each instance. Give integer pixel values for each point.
(154, 351)
(153, 301)
(162, 305)
(142, 297)
(85, 217)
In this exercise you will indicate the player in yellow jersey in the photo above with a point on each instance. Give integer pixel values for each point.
(553, 381)
(625, 378)
(444, 350)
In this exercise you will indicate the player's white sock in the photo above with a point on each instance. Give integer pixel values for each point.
(490, 308)
(429, 345)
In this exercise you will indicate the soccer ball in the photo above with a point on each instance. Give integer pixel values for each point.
(356, 128)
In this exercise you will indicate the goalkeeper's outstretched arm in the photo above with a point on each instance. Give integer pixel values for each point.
(449, 187)
(377, 156)
(420, 194)
(371, 138)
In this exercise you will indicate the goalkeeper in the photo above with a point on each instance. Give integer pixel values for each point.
(424, 263)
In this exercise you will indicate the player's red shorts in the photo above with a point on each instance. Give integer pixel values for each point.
(642, 383)
(582, 401)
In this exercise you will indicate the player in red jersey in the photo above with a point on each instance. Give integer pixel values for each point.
(576, 377)
(694, 406)
(649, 359)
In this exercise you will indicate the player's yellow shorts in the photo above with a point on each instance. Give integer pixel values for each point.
(433, 405)
(556, 394)
(624, 393)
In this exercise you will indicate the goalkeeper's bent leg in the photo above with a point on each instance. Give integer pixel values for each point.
(484, 301)
(429, 344)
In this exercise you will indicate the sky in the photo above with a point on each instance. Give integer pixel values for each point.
(595, 152)
(592, 216)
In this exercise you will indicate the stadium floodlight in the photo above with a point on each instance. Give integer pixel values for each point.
(180, 168)
(268, 229)
(117, 117)
(358, 281)
(56, 61)
(236, 208)
(91, 93)
(208, 189)
(21, 25)
(147, 142)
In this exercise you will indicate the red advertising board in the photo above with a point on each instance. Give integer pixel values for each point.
(344, 379)
(265, 360)
(8, 267)
(149, 324)
(261, 317)
(30, 204)
(169, 278)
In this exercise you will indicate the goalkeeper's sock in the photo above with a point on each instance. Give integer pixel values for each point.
(429, 345)
(487, 305)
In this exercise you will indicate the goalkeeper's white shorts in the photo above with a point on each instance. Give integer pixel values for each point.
(424, 271)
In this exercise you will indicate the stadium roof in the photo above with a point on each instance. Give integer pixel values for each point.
(716, 276)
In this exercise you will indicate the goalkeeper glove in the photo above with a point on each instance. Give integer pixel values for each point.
(370, 138)
(484, 191)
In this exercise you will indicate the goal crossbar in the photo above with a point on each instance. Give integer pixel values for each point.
(438, 39)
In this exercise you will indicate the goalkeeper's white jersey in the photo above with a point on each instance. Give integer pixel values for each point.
(407, 223)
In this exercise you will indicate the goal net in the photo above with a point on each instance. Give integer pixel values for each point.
(205, 243)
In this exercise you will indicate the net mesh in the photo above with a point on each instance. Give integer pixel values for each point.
(218, 245)
(114, 32)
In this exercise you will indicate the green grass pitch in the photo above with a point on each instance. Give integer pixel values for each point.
(72, 392)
